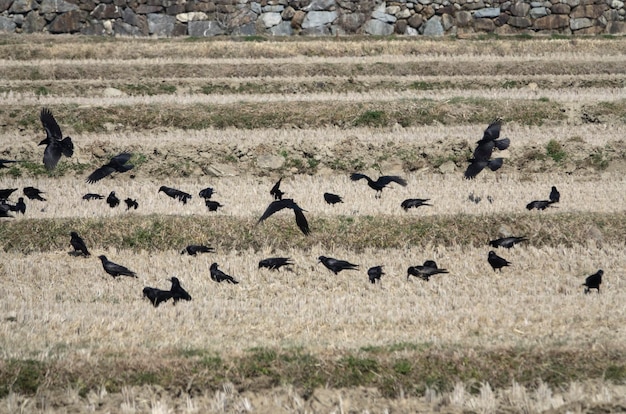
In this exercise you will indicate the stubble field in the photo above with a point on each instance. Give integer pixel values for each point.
(236, 116)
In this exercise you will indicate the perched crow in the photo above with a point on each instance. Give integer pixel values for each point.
(130, 203)
(593, 281)
(476, 166)
(507, 242)
(4, 209)
(219, 276)
(275, 263)
(497, 262)
(6, 193)
(92, 196)
(194, 249)
(55, 144)
(79, 244)
(206, 193)
(33, 193)
(335, 265)
(539, 204)
(19, 207)
(382, 181)
(278, 205)
(555, 196)
(275, 191)
(212, 205)
(156, 296)
(114, 269)
(117, 163)
(177, 291)
(424, 272)
(176, 194)
(374, 273)
(112, 200)
(332, 198)
(3, 162)
(414, 203)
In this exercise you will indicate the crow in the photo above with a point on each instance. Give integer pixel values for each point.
(594, 281)
(78, 244)
(33, 193)
(425, 271)
(55, 144)
(156, 296)
(177, 291)
(206, 193)
(539, 204)
(278, 205)
(219, 276)
(114, 269)
(112, 200)
(380, 183)
(92, 196)
(130, 203)
(414, 203)
(490, 140)
(19, 207)
(374, 273)
(275, 191)
(3, 162)
(6, 193)
(194, 249)
(555, 196)
(117, 163)
(507, 242)
(335, 265)
(332, 198)
(275, 263)
(496, 261)
(212, 205)
(176, 194)
(4, 209)
(476, 166)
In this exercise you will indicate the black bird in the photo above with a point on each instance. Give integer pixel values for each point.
(278, 205)
(212, 205)
(194, 249)
(335, 265)
(79, 244)
(539, 204)
(6, 193)
(483, 151)
(112, 200)
(156, 296)
(117, 163)
(476, 166)
(507, 242)
(19, 207)
(4, 209)
(425, 271)
(33, 193)
(497, 262)
(275, 191)
(374, 273)
(206, 193)
(177, 291)
(176, 194)
(115, 269)
(414, 203)
(593, 281)
(382, 181)
(130, 203)
(92, 196)
(55, 144)
(219, 276)
(555, 196)
(275, 263)
(332, 198)
(3, 162)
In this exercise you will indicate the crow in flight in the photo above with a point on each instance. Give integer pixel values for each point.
(555, 196)
(3, 162)
(176, 194)
(507, 242)
(332, 198)
(112, 200)
(156, 296)
(212, 205)
(382, 181)
(497, 262)
(335, 265)
(117, 163)
(130, 203)
(476, 166)
(275, 191)
(424, 272)
(206, 193)
(19, 207)
(92, 196)
(374, 273)
(414, 203)
(177, 291)
(219, 276)
(593, 281)
(114, 269)
(194, 249)
(278, 205)
(482, 154)
(275, 263)
(78, 244)
(55, 144)
(34, 193)
(539, 204)
(6, 193)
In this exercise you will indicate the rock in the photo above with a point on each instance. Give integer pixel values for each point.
(351, 22)
(297, 19)
(447, 21)
(617, 4)
(433, 27)
(403, 14)
(616, 27)
(487, 12)
(160, 24)
(447, 167)
(400, 26)
(270, 162)
(320, 5)
(191, 17)
(416, 21)
(245, 30)
(121, 28)
(581, 23)
(592, 11)
(145, 9)
(270, 19)
(204, 28)
(21, 6)
(7, 25)
(560, 8)
(273, 9)
(551, 22)
(106, 11)
(5, 4)
(282, 29)
(288, 13)
(410, 31)
(519, 9)
(56, 6)
(315, 19)
(220, 170)
(112, 93)
(463, 18)
(378, 28)
(537, 12)
(521, 22)
(484, 25)
(384, 17)
(69, 22)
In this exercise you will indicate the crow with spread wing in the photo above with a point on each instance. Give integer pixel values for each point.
(278, 205)
(382, 181)
(55, 144)
(117, 163)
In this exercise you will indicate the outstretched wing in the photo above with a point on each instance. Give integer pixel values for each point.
(358, 176)
(52, 155)
(100, 173)
(502, 144)
(386, 179)
(495, 164)
(53, 130)
(277, 206)
(303, 225)
(474, 168)
(493, 130)
(120, 159)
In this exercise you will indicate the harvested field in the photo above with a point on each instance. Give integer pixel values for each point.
(243, 114)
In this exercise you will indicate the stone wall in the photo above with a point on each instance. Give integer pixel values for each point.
(311, 17)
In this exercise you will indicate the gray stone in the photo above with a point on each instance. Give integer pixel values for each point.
(5, 4)
(447, 21)
(351, 22)
(403, 14)
(146, 9)
(270, 19)
(416, 21)
(69, 22)
(551, 22)
(93, 27)
(318, 18)
(56, 6)
(400, 26)
(537, 12)
(592, 11)
(521, 22)
(18, 19)
(161, 24)
(273, 9)
(580, 23)
(487, 12)
(320, 5)
(572, 3)
(447, 167)
(561, 8)
(378, 28)
(617, 4)
(33, 23)
(204, 28)
(463, 18)
(106, 11)
(121, 28)
(519, 9)
(616, 27)
(282, 29)
(433, 27)
(484, 25)
(7, 25)
(410, 31)
(256, 7)
(270, 162)
(191, 16)
(248, 29)
(21, 6)
(384, 17)
(288, 13)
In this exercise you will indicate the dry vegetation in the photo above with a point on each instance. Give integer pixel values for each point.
(305, 340)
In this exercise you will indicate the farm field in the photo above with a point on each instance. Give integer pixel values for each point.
(237, 115)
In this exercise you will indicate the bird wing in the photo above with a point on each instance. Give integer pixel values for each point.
(502, 144)
(53, 130)
(120, 159)
(52, 155)
(358, 176)
(116, 268)
(100, 173)
(474, 168)
(276, 206)
(493, 130)
(67, 147)
(301, 221)
(276, 188)
(386, 179)
(495, 164)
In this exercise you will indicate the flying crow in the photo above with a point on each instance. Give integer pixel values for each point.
(55, 144)
(483, 151)
(117, 163)
(112, 200)
(332, 198)
(114, 269)
(476, 166)
(425, 271)
(507, 242)
(497, 262)
(78, 244)
(275, 191)
(194, 249)
(34, 193)
(219, 276)
(374, 273)
(594, 281)
(414, 203)
(380, 183)
(275, 263)
(278, 205)
(335, 265)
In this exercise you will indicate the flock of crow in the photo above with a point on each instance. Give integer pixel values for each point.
(58, 146)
